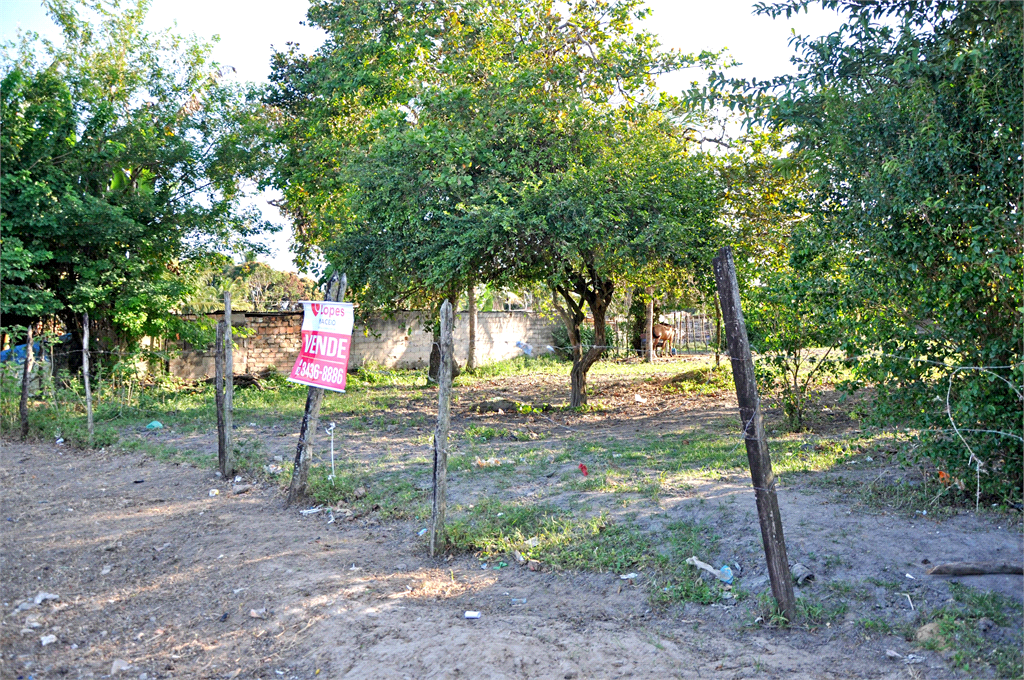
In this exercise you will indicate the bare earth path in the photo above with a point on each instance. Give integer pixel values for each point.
(152, 570)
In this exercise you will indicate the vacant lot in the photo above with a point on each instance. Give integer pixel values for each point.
(152, 572)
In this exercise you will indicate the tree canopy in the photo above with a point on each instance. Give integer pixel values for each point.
(908, 123)
(125, 154)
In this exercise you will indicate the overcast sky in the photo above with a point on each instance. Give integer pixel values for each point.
(248, 29)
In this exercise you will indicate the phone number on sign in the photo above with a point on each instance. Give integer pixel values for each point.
(314, 371)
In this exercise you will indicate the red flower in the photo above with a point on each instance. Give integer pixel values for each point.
(583, 469)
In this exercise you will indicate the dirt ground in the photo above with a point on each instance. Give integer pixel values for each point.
(153, 573)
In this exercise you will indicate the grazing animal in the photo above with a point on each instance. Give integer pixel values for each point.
(663, 336)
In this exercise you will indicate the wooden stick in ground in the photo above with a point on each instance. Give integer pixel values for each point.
(649, 331)
(227, 463)
(26, 378)
(218, 391)
(299, 486)
(768, 515)
(471, 304)
(85, 375)
(444, 396)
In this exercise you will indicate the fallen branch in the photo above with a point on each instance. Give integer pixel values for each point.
(975, 568)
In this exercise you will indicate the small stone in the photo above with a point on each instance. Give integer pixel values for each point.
(43, 597)
(240, 488)
(119, 665)
(258, 613)
(48, 639)
(360, 492)
(533, 565)
(892, 654)
(105, 570)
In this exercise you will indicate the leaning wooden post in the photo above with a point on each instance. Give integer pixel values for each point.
(26, 378)
(218, 392)
(768, 515)
(444, 397)
(311, 417)
(227, 461)
(85, 375)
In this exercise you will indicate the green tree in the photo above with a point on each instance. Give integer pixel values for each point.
(124, 153)
(426, 145)
(908, 121)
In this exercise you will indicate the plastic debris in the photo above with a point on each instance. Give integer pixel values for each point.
(214, 492)
(801, 574)
(490, 462)
(155, 425)
(533, 565)
(422, 532)
(526, 347)
(258, 613)
(48, 639)
(44, 596)
(60, 440)
(311, 511)
(518, 556)
(483, 566)
(533, 542)
(705, 566)
(630, 576)
(119, 665)
(583, 469)
(472, 615)
(273, 469)
(726, 574)
(911, 577)
(638, 399)
(521, 600)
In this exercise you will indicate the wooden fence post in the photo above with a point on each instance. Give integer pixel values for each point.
(649, 356)
(85, 375)
(218, 393)
(471, 305)
(299, 485)
(444, 396)
(227, 462)
(26, 378)
(768, 515)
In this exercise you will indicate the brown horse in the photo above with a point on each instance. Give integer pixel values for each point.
(663, 336)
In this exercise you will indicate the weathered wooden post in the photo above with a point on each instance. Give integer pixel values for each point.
(26, 378)
(218, 393)
(649, 357)
(444, 396)
(311, 417)
(227, 462)
(768, 515)
(471, 304)
(85, 375)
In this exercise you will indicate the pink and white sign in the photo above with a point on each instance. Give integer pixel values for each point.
(326, 340)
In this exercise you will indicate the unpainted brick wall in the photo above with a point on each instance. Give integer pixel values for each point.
(398, 342)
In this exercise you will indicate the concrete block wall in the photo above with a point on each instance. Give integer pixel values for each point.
(398, 342)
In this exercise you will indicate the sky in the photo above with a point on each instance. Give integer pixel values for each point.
(250, 29)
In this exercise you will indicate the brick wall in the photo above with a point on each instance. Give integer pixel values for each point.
(398, 342)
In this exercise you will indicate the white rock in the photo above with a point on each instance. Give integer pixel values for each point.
(119, 665)
(43, 597)
(48, 639)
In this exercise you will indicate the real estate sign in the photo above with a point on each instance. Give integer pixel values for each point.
(326, 340)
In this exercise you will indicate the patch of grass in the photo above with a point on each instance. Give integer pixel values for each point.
(814, 612)
(701, 380)
(391, 494)
(888, 585)
(960, 630)
(875, 625)
(483, 434)
(545, 364)
(679, 581)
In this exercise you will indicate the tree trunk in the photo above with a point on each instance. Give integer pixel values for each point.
(718, 331)
(649, 357)
(444, 396)
(597, 294)
(25, 380)
(85, 376)
(471, 304)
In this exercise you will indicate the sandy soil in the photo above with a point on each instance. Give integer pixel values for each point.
(151, 570)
